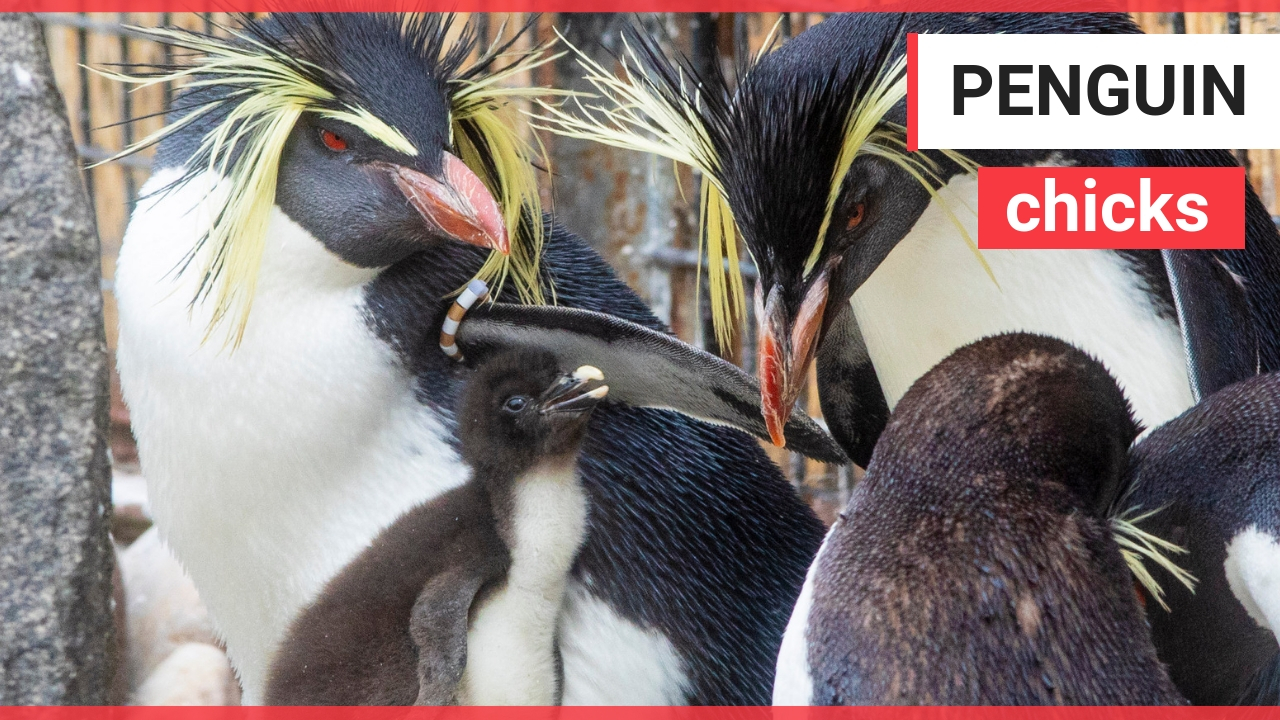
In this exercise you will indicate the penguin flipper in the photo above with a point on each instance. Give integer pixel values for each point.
(1264, 686)
(643, 368)
(438, 627)
(1213, 311)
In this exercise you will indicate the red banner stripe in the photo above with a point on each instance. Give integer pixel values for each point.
(640, 5)
(643, 713)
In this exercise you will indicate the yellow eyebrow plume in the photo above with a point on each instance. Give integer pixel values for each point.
(267, 89)
(640, 117)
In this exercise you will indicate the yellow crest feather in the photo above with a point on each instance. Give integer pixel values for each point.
(1138, 545)
(639, 118)
(478, 110)
(270, 90)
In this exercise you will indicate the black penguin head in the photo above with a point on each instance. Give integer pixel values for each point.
(805, 159)
(375, 194)
(373, 132)
(814, 247)
(520, 409)
(1027, 405)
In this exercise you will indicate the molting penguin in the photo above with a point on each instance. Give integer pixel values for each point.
(866, 252)
(973, 564)
(1213, 474)
(339, 176)
(458, 601)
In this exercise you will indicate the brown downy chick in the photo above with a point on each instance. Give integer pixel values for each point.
(458, 601)
(974, 564)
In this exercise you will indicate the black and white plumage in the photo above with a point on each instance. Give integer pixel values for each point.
(875, 276)
(272, 464)
(974, 564)
(1214, 475)
(646, 368)
(457, 601)
(882, 265)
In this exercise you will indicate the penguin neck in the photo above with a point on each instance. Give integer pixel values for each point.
(541, 516)
(931, 295)
(272, 465)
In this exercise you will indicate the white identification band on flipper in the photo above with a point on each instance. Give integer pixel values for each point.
(475, 290)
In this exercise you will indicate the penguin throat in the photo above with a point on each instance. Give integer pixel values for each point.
(931, 296)
(511, 654)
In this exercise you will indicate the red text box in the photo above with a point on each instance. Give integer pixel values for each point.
(1110, 208)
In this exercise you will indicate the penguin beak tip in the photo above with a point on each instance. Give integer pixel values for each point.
(588, 372)
(456, 205)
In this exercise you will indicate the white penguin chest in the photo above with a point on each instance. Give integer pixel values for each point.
(511, 643)
(271, 466)
(932, 296)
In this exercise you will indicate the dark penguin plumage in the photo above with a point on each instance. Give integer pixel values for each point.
(920, 292)
(392, 628)
(693, 531)
(696, 545)
(974, 564)
(1239, 336)
(1214, 475)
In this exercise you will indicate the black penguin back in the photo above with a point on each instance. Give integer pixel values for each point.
(1215, 471)
(693, 532)
(973, 565)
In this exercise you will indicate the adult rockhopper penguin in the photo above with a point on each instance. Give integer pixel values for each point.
(1213, 475)
(866, 252)
(974, 564)
(457, 602)
(325, 185)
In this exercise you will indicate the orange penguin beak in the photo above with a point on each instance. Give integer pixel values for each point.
(785, 351)
(458, 205)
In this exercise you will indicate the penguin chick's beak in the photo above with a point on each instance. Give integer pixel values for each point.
(457, 205)
(569, 394)
(785, 350)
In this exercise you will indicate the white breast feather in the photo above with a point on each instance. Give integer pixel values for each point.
(272, 466)
(931, 296)
(793, 679)
(1253, 574)
(511, 641)
(609, 660)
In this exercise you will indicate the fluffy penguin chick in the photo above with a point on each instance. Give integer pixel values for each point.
(457, 602)
(973, 564)
(1214, 475)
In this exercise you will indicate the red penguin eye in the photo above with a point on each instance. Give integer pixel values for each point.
(855, 219)
(333, 141)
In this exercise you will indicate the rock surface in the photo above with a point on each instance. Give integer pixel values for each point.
(55, 553)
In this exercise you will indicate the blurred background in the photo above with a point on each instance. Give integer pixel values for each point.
(629, 206)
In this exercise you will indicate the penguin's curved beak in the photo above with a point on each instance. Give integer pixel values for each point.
(457, 205)
(569, 394)
(786, 347)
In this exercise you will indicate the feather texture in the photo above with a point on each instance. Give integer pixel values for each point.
(267, 78)
(660, 104)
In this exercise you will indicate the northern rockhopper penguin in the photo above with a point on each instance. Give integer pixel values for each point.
(459, 600)
(324, 186)
(1213, 474)
(974, 564)
(866, 253)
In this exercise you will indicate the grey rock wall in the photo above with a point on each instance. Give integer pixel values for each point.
(55, 554)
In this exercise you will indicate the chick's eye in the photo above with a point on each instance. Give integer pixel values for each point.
(515, 403)
(333, 140)
(855, 217)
